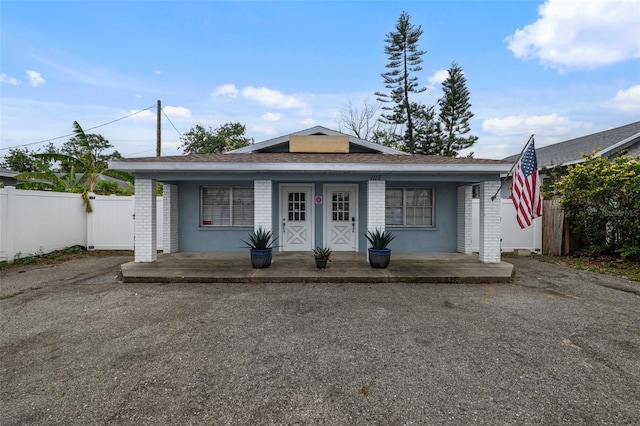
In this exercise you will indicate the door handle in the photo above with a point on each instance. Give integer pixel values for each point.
(353, 224)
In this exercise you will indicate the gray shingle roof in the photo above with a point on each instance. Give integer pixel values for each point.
(302, 158)
(607, 143)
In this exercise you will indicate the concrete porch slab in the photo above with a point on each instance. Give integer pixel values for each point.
(299, 267)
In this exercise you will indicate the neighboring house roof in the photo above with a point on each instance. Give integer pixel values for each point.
(273, 156)
(607, 143)
(7, 173)
(7, 177)
(317, 130)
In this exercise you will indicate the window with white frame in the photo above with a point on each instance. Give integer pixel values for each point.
(409, 207)
(226, 206)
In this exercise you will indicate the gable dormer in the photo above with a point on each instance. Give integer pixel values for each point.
(318, 140)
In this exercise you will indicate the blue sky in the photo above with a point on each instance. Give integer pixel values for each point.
(557, 69)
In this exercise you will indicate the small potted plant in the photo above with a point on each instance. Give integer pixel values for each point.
(379, 252)
(322, 256)
(261, 244)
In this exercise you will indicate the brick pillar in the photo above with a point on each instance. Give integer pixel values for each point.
(263, 205)
(375, 205)
(465, 219)
(170, 218)
(489, 222)
(145, 222)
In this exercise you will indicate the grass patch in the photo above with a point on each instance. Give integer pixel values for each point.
(70, 253)
(610, 265)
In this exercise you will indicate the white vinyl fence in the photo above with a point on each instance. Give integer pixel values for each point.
(512, 237)
(35, 222)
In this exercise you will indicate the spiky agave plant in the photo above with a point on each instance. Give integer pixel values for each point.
(260, 239)
(379, 239)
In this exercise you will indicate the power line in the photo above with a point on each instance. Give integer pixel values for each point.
(71, 134)
(174, 127)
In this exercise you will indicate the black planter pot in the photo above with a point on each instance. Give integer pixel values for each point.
(321, 263)
(379, 258)
(261, 259)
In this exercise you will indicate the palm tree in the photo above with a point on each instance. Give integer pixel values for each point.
(86, 162)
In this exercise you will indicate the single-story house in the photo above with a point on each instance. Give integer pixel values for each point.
(608, 143)
(316, 187)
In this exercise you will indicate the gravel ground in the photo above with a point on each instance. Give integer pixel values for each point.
(558, 346)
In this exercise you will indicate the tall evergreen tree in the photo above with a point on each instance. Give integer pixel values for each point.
(428, 134)
(404, 62)
(455, 113)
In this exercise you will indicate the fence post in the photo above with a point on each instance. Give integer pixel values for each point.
(8, 231)
(3, 224)
(91, 244)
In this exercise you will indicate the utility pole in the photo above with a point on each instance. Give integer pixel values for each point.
(158, 131)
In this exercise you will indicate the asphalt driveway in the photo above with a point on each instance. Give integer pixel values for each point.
(557, 346)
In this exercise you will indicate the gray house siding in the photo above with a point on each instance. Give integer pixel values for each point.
(193, 237)
(441, 237)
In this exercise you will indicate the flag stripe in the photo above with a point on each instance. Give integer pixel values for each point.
(526, 189)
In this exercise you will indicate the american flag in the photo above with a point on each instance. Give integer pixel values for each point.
(526, 189)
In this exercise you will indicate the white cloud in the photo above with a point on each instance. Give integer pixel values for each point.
(228, 90)
(550, 124)
(9, 80)
(137, 114)
(580, 34)
(35, 78)
(271, 116)
(438, 77)
(271, 98)
(309, 122)
(177, 111)
(259, 129)
(626, 100)
(152, 114)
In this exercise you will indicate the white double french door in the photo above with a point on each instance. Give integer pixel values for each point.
(340, 217)
(296, 217)
(339, 211)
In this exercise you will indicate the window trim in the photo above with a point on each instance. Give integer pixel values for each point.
(404, 207)
(229, 188)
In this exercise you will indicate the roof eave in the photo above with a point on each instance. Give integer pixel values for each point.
(376, 168)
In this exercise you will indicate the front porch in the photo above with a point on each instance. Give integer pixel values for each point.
(345, 267)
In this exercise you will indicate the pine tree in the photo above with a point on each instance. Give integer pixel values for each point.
(404, 61)
(455, 113)
(428, 134)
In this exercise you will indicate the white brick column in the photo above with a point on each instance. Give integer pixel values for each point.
(465, 219)
(375, 205)
(145, 222)
(263, 206)
(489, 222)
(170, 218)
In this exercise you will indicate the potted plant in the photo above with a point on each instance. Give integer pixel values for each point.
(379, 253)
(322, 256)
(261, 244)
